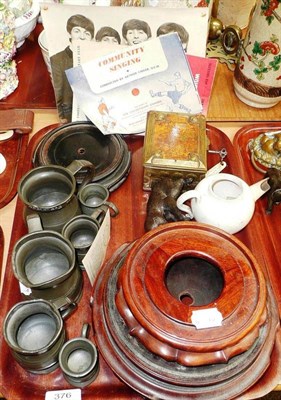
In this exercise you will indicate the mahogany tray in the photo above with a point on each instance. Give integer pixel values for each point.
(265, 232)
(14, 151)
(1, 249)
(15, 382)
(13, 147)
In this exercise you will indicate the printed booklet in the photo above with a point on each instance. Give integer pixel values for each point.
(203, 70)
(116, 91)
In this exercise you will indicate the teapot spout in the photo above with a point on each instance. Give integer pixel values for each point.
(259, 188)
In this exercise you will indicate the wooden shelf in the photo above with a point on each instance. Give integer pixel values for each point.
(225, 105)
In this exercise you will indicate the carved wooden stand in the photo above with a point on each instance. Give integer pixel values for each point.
(143, 323)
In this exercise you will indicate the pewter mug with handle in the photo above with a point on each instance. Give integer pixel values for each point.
(81, 231)
(44, 263)
(50, 190)
(93, 198)
(35, 333)
(78, 360)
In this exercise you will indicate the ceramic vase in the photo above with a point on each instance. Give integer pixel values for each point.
(257, 76)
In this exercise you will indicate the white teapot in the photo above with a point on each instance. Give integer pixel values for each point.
(223, 200)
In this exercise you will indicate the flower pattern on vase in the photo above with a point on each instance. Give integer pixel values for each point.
(268, 9)
(257, 76)
(259, 54)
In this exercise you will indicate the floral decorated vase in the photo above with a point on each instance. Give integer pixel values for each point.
(257, 76)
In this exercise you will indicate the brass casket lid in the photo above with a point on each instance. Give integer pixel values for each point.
(176, 141)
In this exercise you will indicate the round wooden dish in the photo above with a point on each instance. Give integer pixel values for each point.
(178, 269)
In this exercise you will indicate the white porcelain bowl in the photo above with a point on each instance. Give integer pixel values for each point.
(42, 41)
(25, 24)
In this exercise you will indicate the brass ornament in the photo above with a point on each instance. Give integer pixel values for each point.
(231, 39)
(216, 28)
(266, 151)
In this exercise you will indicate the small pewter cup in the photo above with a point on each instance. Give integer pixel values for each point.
(78, 360)
(93, 200)
(34, 332)
(81, 232)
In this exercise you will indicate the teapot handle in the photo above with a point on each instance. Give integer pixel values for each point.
(190, 194)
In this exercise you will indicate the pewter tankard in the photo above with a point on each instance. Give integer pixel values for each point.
(50, 190)
(44, 262)
(35, 333)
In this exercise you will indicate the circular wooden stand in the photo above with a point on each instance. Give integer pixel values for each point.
(147, 295)
(109, 154)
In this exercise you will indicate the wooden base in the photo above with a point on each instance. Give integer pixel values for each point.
(154, 377)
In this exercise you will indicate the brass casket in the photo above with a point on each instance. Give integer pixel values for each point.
(175, 146)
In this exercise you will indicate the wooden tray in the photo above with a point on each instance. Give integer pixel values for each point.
(13, 150)
(1, 249)
(33, 386)
(265, 230)
(15, 382)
